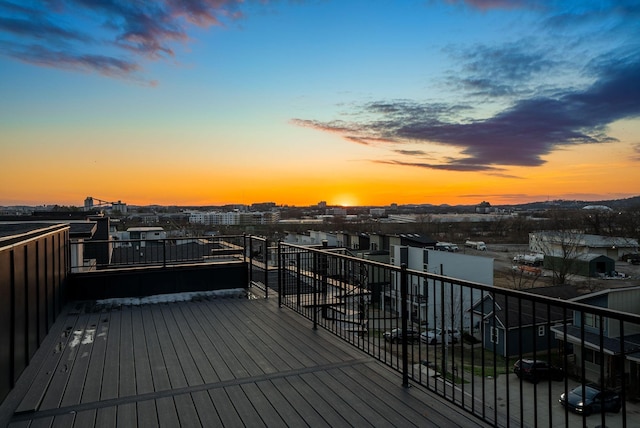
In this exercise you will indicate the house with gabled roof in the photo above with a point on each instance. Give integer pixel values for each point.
(510, 326)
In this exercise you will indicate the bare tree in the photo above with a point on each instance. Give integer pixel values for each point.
(521, 278)
(560, 249)
(561, 243)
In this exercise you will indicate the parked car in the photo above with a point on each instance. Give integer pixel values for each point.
(536, 370)
(595, 399)
(435, 336)
(395, 335)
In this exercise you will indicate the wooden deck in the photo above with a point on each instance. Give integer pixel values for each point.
(213, 362)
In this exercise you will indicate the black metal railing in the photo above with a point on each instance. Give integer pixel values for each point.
(116, 253)
(462, 340)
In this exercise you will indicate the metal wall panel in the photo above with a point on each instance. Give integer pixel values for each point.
(31, 297)
(5, 323)
(19, 312)
(43, 327)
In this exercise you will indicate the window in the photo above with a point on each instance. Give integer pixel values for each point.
(591, 320)
(494, 335)
(541, 330)
(592, 356)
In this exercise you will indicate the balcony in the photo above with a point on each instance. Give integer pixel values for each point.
(300, 342)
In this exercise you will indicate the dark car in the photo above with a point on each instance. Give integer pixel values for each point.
(595, 399)
(536, 370)
(395, 335)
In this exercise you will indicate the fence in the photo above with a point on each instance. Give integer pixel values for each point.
(462, 340)
(109, 254)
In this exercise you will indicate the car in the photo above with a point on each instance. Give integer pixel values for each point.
(536, 370)
(395, 335)
(435, 336)
(595, 399)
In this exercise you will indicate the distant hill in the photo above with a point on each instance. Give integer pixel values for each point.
(566, 204)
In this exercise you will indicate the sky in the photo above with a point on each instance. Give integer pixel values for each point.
(352, 102)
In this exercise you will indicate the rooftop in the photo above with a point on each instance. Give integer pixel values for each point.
(211, 361)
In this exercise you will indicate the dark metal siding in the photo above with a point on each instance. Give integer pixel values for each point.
(33, 273)
(147, 281)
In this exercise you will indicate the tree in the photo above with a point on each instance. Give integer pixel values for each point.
(560, 249)
(561, 244)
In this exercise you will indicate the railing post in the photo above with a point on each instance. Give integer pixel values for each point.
(244, 247)
(164, 253)
(315, 291)
(405, 316)
(280, 262)
(266, 268)
(298, 279)
(250, 262)
(324, 265)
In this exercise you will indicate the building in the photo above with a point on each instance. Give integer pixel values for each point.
(602, 350)
(512, 328)
(430, 309)
(565, 244)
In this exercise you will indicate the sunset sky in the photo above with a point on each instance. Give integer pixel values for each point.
(353, 102)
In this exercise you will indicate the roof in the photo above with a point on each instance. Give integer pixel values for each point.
(514, 313)
(416, 240)
(82, 229)
(12, 232)
(589, 296)
(610, 345)
(212, 361)
(588, 257)
(593, 241)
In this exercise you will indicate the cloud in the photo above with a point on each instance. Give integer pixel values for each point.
(521, 134)
(508, 70)
(498, 4)
(55, 33)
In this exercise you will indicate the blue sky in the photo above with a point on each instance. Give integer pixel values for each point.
(356, 98)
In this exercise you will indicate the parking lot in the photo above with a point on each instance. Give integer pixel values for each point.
(536, 405)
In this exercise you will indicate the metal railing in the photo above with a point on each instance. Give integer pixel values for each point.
(461, 339)
(112, 253)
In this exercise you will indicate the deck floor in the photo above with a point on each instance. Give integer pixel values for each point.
(212, 362)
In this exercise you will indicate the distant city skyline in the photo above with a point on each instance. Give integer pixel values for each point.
(355, 102)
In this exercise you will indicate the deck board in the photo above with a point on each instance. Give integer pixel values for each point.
(186, 409)
(106, 417)
(95, 370)
(206, 411)
(85, 418)
(76, 382)
(144, 379)
(127, 378)
(171, 361)
(167, 413)
(127, 415)
(62, 374)
(215, 369)
(111, 369)
(156, 360)
(244, 407)
(218, 362)
(182, 348)
(147, 414)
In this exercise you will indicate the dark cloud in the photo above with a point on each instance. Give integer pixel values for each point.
(49, 33)
(519, 135)
(411, 152)
(508, 70)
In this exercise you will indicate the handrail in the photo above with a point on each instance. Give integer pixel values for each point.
(359, 300)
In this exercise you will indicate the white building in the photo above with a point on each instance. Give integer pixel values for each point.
(564, 243)
(428, 303)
